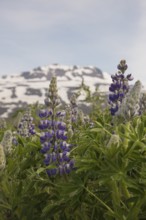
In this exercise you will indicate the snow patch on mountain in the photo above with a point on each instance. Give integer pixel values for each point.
(31, 86)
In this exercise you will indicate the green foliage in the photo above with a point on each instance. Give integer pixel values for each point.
(119, 168)
(108, 182)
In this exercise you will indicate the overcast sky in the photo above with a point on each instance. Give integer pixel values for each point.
(81, 32)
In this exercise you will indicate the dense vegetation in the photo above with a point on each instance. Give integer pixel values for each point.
(56, 163)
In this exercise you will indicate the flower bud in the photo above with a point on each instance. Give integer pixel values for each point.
(7, 142)
(2, 158)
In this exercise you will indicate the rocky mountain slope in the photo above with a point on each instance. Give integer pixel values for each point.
(29, 87)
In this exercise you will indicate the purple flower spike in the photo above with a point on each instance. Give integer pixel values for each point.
(26, 128)
(53, 139)
(119, 87)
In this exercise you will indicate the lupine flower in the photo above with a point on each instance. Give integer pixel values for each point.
(77, 114)
(131, 104)
(2, 158)
(74, 107)
(7, 142)
(17, 119)
(54, 134)
(81, 117)
(119, 87)
(69, 122)
(26, 128)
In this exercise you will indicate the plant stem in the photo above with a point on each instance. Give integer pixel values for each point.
(99, 200)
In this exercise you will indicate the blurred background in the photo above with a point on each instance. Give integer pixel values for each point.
(73, 32)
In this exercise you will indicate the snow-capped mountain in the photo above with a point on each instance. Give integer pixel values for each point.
(30, 87)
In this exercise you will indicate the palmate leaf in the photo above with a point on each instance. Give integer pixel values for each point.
(76, 198)
(133, 131)
(72, 187)
(132, 147)
(10, 196)
(100, 128)
(31, 207)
